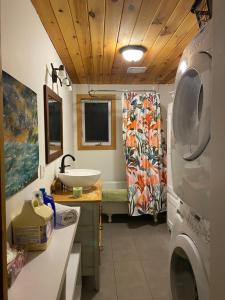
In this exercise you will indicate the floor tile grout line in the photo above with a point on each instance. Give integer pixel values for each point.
(130, 259)
(114, 271)
(146, 279)
(116, 261)
(115, 279)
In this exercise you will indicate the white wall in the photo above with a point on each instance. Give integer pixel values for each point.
(26, 52)
(111, 162)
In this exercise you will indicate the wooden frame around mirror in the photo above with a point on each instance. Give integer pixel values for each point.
(55, 149)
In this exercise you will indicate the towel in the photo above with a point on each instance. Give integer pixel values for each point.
(115, 195)
(65, 215)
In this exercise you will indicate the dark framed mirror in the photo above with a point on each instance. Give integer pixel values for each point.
(53, 125)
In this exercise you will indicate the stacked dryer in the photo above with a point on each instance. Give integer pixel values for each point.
(172, 199)
(189, 249)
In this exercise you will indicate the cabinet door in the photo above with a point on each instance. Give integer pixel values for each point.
(88, 235)
(87, 215)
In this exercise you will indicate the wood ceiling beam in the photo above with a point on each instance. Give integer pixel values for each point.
(174, 47)
(161, 16)
(130, 14)
(159, 22)
(178, 15)
(96, 9)
(171, 64)
(45, 12)
(168, 60)
(63, 16)
(148, 11)
(170, 77)
(79, 12)
(114, 11)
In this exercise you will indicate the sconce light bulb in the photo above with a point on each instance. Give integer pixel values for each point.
(61, 74)
(69, 87)
(66, 81)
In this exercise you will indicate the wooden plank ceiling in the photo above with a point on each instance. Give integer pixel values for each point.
(88, 34)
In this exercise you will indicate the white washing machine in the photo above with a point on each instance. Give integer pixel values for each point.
(189, 256)
(173, 204)
(191, 124)
(172, 199)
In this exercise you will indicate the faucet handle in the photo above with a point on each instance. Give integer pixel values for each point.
(60, 168)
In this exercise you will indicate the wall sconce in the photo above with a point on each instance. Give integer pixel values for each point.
(61, 75)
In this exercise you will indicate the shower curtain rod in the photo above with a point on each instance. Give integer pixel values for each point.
(92, 92)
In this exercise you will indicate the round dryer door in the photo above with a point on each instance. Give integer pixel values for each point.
(191, 110)
(187, 275)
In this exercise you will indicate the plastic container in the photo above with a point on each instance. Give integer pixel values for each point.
(49, 200)
(33, 227)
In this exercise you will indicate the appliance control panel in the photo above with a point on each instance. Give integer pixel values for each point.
(197, 224)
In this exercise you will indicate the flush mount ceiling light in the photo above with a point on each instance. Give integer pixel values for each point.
(133, 53)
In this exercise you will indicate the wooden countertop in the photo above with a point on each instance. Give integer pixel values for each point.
(92, 195)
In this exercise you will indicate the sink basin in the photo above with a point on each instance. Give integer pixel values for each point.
(80, 177)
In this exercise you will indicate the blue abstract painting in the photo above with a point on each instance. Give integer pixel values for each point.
(21, 149)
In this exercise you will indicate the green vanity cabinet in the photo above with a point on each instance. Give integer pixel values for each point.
(88, 231)
(88, 236)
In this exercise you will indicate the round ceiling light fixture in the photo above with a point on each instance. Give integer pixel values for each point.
(133, 53)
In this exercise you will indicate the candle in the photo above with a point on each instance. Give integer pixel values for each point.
(77, 192)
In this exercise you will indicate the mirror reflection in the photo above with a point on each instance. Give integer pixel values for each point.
(53, 125)
(55, 142)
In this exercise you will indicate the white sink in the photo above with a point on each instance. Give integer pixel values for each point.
(80, 177)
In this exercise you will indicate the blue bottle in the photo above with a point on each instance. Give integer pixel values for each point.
(49, 200)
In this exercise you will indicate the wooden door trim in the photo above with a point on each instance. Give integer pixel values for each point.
(3, 257)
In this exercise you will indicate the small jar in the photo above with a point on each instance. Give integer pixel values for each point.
(77, 192)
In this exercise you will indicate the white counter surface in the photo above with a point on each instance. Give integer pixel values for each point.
(43, 275)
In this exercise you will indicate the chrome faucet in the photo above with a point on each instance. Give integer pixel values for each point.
(63, 166)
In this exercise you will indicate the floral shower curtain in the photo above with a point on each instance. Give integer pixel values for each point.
(145, 153)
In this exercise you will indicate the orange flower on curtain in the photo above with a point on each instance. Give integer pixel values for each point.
(145, 152)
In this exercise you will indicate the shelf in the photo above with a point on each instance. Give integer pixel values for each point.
(77, 295)
(73, 274)
(44, 273)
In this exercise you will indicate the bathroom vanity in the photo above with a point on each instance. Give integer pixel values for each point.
(89, 228)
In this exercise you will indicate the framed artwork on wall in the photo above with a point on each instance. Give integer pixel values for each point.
(21, 147)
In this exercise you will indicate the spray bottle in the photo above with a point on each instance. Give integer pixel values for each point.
(49, 200)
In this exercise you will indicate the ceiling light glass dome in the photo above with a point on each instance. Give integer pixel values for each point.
(133, 53)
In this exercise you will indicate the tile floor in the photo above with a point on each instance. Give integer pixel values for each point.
(134, 262)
